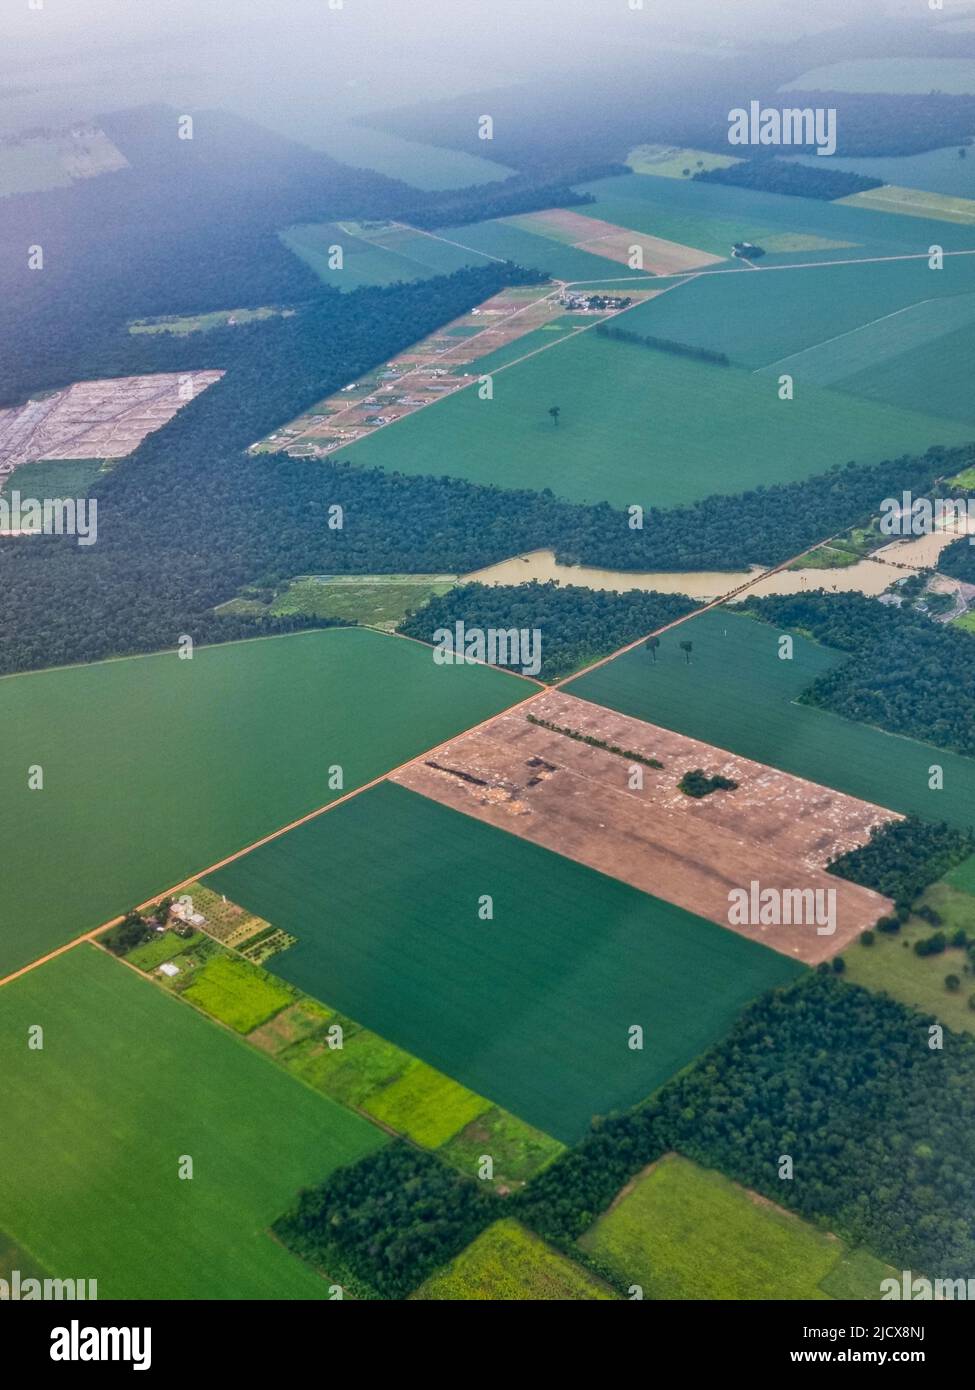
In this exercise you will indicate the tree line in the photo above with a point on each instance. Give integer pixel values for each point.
(626, 335)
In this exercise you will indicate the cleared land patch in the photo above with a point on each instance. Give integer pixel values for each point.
(375, 600)
(394, 939)
(660, 256)
(31, 163)
(681, 1231)
(506, 1263)
(128, 1081)
(575, 798)
(737, 693)
(216, 752)
(95, 419)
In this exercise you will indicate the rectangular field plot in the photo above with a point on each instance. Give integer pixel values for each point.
(531, 1008)
(632, 427)
(214, 752)
(95, 1125)
(566, 784)
(736, 693)
(506, 1263)
(374, 253)
(771, 317)
(681, 1231)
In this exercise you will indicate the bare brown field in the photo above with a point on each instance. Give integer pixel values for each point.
(615, 243)
(96, 419)
(774, 829)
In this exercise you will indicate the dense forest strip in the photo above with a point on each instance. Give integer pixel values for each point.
(625, 335)
(785, 176)
(904, 857)
(906, 674)
(576, 624)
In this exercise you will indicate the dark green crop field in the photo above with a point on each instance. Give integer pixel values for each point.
(154, 768)
(130, 1082)
(735, 692)
(531, 1008)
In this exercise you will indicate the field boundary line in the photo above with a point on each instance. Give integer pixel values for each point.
(814, 347)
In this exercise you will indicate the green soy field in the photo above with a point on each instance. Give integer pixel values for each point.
(128, 1081)
(736, 693)
(531, 1008)
(154, 767)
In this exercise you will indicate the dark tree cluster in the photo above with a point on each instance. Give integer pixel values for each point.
(577, 625)
(880, 1127)
(786, 176)
(906, 674)
(958, 560)
(698, 784)
(903, 857)
(381, 1226)
(625, 335)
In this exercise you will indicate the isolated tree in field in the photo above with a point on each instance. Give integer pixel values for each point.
(687, 648)
(652, 644)
(555, 411)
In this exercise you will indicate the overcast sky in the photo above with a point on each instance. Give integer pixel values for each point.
(82, 56)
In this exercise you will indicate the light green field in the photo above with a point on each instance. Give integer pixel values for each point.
(891, 966)
(504, 240)
(505, 1263)
(954, 76)
(671, 162)
(763, 319)
(934, 376)
(934, 171)
(425, 1105)
(915, 202)
(966, 622)
(52, 478)
(95, 1126)
(431, 167)
(963, 876)
(237, 993)
(394, 941)
(47, 161)
(737, 694)
(202, 323)
(154, 767)
(629, 415)
(378, 600)
(375, 254)
(684, 1232)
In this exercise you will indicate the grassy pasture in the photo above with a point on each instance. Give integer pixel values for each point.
(891, 966)
(52, 478)
(630, 414)
(426, 1105)
(505, 241)
(506, 1262)
(517, 1149)
(736, 693)
(682, 1232)
(530, 1009)
(214, 752)
(669, 162)
(180, 326)
(127, 1082)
